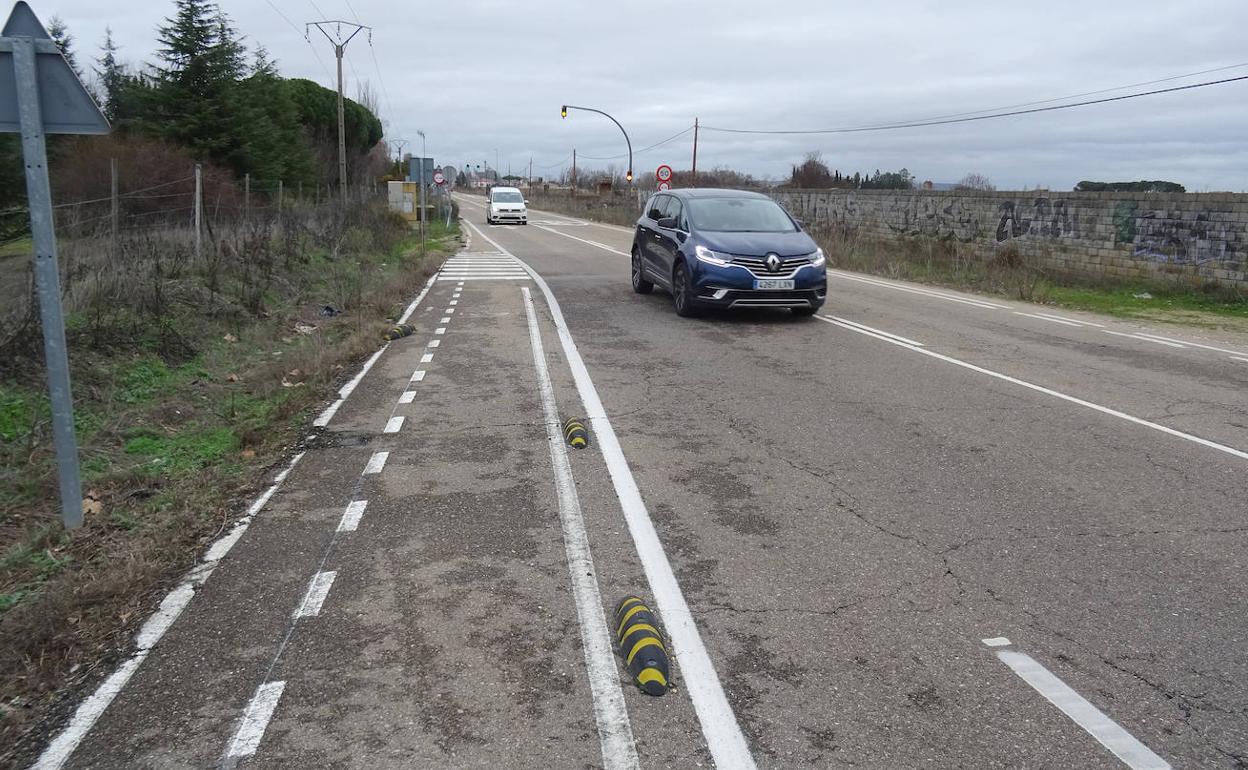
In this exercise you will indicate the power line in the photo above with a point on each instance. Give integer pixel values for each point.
(563, 162)
(295, 27)
(615, 157)
(1081, 95)
(920, 124)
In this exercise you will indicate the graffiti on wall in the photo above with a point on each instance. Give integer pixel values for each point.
(944, 217)
(1184, 238)
(1043, 218)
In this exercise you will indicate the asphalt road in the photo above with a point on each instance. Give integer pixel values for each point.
(925, 529)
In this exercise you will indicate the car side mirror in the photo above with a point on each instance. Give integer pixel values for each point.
(668, 223)
(526, 201)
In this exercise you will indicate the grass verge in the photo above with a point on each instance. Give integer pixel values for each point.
(180, 408)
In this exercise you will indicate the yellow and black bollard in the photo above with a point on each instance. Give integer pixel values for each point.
(576, 434)
(400, 330)
(640, 642)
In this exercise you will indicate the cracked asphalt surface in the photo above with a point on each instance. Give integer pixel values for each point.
(847, 520)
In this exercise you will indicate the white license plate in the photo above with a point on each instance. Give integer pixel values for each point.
(773, 284)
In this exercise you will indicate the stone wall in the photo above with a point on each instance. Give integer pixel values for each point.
(1188, 238)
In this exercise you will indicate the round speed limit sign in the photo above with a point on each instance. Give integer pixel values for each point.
(438, 178)
(664, 173)
(665, 185)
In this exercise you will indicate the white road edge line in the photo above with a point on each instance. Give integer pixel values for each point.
(1053, 319)
(318, 590)
(915, 290)
(1079, 322)
(1238, 358)
(346, 390)
(376, 463)
(90, 710)
(1145, 339)
(614, 729)
(724, 738)
(1050, 392)
(1193, 344)
(873, 330)
(256, 719)
(1105, 730)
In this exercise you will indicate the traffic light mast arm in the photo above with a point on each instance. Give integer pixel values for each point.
(564, 113)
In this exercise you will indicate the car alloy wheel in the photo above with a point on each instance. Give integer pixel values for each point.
(680, 292)
(640, 284)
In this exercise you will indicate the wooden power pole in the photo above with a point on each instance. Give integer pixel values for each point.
(340, 46)
(695, 152)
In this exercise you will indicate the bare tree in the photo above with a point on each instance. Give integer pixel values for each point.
(975, 181)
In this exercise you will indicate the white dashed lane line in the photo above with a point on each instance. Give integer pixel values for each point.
(394, 424)
(351, 516)
(256, 720)
(318, 589)
(1109, 733)
(376, 463)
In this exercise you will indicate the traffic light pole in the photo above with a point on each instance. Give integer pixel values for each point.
(564, 113)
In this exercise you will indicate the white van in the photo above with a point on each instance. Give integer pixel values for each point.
(506, 204)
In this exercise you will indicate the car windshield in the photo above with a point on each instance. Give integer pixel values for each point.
(739, 215)
(508, 197)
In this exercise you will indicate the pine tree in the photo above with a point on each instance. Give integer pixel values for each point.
(59, 33)
(194, 96)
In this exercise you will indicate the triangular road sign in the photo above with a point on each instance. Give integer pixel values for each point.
(67, 107)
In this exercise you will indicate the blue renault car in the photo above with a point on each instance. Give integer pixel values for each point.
(726, 249)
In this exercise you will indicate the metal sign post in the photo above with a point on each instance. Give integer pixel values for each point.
(40, 94)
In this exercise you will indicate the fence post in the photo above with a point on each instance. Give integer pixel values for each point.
(199, 209)
(112, 168)
(247, 197)
(280, 194)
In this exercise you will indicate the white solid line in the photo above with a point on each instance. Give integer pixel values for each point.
(434, 343)
(997, 641)
(1146, 339)
(1193, 344)
(860, 330)
(492, 278)
(1056, 394)
(418, 375)
(614, 730)
(426, 358)
(318, 589)
(394, 424)
(724, 738)
(256, 719)
(1237, 358)
(407, 397)
(352, 515)
(440, 330)
(445, 320)
(1105, 730)
(1053, 319)
(376, 463)
(346, 390)
(595, 244)
(59, 750)
(914, 290)
(876, 331)
(1078, 322)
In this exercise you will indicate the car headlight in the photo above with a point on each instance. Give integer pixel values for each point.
(711, 258)
(817, 259)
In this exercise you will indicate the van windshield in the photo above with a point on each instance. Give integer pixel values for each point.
(739, 215)
(507, 197)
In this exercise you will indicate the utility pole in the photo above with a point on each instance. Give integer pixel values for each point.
(399, 144)
(573, 172)
(695, 152)
(199, 209)
(530, 175)
(423, 211)
(115, 212)
(340, 46)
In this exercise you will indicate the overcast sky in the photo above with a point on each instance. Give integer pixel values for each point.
(485, 75)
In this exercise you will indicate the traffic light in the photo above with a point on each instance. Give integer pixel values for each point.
(563, 111)
(629, 175)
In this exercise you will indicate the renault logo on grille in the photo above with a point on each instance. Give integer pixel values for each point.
(774, 263)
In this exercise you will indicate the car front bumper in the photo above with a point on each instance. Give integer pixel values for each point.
(733, 287)
(510, 216)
